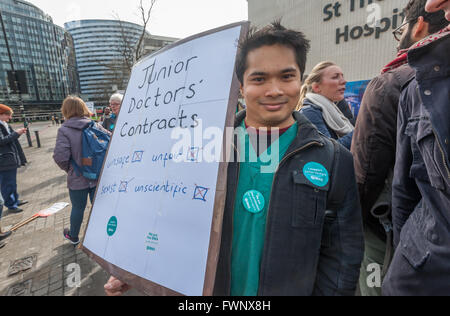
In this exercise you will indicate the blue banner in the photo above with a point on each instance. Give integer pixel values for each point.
(354, 92)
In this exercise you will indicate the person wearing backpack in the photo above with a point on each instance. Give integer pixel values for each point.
(68, 155)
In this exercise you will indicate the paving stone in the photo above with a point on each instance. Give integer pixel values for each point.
(20, 289)
(58, 292)
(41, 292)
(22, 264)
(55, 286)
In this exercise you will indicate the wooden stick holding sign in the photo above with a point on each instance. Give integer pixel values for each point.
(157, 215)
(44, 213)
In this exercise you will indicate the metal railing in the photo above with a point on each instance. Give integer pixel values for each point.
(33, 116)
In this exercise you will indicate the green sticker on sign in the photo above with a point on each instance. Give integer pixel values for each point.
(316, 173)
(253, 201)
(112, 226)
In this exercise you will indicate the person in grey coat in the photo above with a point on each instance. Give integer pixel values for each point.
(69, 146)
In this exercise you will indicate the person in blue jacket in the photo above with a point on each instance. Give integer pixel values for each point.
(323, 89)
(421, 186)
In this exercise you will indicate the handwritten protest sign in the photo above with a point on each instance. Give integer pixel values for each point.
(156, 218)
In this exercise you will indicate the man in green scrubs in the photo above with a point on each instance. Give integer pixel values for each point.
(292, 222)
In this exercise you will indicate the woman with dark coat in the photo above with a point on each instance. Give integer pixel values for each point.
(11, 158)
(323, 89)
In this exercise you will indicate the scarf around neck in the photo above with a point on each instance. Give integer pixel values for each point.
(402, 56)
(331, 114)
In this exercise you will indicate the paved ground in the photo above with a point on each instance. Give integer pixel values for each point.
(56, 262)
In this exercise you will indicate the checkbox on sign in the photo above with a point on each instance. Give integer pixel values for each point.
(200, 193)
(123, 186)
(192, 154)
(137, 156)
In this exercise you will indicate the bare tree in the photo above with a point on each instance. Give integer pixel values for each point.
(145, 15)
(117, 71)
(131, 51)
(126, 50)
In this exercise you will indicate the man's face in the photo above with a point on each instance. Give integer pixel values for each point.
(436, 5)
(406, 40)
(271, 86)
(5, 117)
(115, 106)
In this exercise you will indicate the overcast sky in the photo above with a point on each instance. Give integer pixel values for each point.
(173, 18)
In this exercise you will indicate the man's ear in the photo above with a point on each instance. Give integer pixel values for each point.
(420, 29)
(241, 89)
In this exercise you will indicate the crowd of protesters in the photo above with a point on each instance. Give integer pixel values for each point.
(381, 187)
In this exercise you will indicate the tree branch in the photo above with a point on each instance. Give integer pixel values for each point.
(145, 14)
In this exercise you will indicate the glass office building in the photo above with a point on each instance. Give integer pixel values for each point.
(41, 50)
(105, 50)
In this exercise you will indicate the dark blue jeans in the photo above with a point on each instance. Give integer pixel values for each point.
(1, 205)
(8, 182)
(79, 201)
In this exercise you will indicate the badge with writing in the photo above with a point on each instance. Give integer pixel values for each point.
(112, 226)
(253, 201)
(316, 174)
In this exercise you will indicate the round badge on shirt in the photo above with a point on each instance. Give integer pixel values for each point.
(316, 174)
(253, 201)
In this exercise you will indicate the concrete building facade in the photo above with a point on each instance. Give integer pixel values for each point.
(356, 34)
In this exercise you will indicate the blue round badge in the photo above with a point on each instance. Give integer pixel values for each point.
(316, 173)
(253, 201)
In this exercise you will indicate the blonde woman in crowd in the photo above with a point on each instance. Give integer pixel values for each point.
(322, 90)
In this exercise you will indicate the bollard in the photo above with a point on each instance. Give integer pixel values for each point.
(30, 144)
(37, 139)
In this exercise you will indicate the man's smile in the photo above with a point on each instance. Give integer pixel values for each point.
(274, 105)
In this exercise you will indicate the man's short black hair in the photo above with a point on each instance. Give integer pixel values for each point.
(416, 8)
(270, 35)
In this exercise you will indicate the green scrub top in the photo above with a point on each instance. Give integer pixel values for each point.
(250, 209)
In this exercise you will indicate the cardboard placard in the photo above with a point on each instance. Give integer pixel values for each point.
(157, 215)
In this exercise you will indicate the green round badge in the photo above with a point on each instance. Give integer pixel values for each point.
(112, 226)
(253, 201)
(316, 173)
